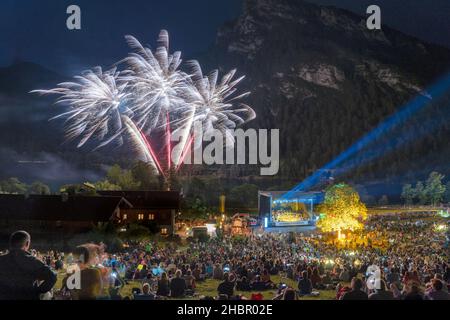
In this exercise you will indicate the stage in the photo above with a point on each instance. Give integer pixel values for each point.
(281, 213)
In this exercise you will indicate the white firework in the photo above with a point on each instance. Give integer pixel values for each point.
(150, 94)
(98, 102)
(215, 102)
(157, 84)
(141, 145)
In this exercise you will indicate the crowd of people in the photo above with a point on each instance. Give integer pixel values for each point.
(391, 259)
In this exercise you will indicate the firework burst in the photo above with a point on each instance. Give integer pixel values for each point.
(149, 97)
(98, 103)
(214, 102)
(157, 84)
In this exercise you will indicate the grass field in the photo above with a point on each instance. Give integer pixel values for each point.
(209, 288)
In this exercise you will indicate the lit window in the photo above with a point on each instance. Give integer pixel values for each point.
(124, 216)
(164, 231)
(140, 216)
(151, 216)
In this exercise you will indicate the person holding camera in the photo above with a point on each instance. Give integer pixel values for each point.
(22, 276)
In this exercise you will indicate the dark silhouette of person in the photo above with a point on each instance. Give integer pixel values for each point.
(177, 285)
(22, 276)
(356, 293)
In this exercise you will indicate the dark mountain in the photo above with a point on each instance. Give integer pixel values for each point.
(320, 76)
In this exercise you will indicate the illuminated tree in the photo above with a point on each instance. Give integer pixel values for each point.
(105, 185)
(434, 188)
(13, 186)
(408, 194)
(341, 210)
(122, 178)
(39, 188)
(420, 193)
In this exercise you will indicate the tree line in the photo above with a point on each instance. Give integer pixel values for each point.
(200, 193)
(432, 191)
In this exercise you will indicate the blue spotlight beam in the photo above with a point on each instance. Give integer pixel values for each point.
(433, 92)
(390, 146)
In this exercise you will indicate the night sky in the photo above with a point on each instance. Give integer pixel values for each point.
(35, 30)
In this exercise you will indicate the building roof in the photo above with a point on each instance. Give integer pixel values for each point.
(60, 208)
(148, 199)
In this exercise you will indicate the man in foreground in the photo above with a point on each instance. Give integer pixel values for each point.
(22, 276)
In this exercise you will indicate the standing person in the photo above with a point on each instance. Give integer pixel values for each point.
(22, 276)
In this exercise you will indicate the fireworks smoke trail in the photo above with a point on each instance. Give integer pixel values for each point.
(160, 88)
(140, 144)
(168, 143)
(184, 153)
